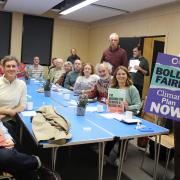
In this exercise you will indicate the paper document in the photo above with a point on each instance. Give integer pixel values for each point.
(91, 109)
(28, 113)
(132, 63)
(108, 115)
(73, 102)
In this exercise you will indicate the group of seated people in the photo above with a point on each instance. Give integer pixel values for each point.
(77, 77)
(82, 79)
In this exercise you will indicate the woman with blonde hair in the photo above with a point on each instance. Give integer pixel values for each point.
(67, 68)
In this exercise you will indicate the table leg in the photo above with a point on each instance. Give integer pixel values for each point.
(167, 162)
(101, 160)
(121, 157)
(54, 156)
(156, 158)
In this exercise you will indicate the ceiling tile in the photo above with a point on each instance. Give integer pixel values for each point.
(36, 7)
(132, 5)
(91, 13)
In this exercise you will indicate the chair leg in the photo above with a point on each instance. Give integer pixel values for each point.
(125, 156)
(167, 162)
(142, 162)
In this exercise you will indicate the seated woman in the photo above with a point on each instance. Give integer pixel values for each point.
(122, 80)
(86, 81)
(67, 68)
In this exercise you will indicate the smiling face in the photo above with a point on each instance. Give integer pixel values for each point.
(59, 63)
(87, 70)
(36, 60)
(136, 53)
(67, 67)
(121, 76)
(103, 71)
(10, 70)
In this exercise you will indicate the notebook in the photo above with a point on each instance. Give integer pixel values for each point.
(128, 121)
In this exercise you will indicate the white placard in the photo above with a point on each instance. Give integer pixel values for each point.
(132, 63)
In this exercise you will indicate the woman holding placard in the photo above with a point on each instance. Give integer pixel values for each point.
(130, 95)
(130, 100)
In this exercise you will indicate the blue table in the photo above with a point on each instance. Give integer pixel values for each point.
(83, 131)
(91, 128)
(121, 130)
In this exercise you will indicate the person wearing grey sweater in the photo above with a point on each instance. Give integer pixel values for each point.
(86, 81)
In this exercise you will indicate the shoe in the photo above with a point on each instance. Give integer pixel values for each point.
(47, 174)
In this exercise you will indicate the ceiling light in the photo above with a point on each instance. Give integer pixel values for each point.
(78, 6)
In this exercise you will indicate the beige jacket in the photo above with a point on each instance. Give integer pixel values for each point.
(51, 126)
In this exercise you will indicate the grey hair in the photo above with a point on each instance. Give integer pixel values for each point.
(68, 63)
(59, 60)
(106, 64)
(113, 34)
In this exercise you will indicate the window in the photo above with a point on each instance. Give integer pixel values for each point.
(5, 33)
(37, 39)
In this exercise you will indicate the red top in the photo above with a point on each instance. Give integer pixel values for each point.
(21, 70)
(117, 57)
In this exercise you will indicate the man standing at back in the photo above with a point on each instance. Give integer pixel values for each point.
(115, 55)
(142, 69)
(73, 56)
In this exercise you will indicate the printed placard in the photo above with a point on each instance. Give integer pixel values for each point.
(164, 93)
(115, 100)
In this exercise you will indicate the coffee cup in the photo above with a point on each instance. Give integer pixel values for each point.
(100, 108)
(128, 114)
(29, 105)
